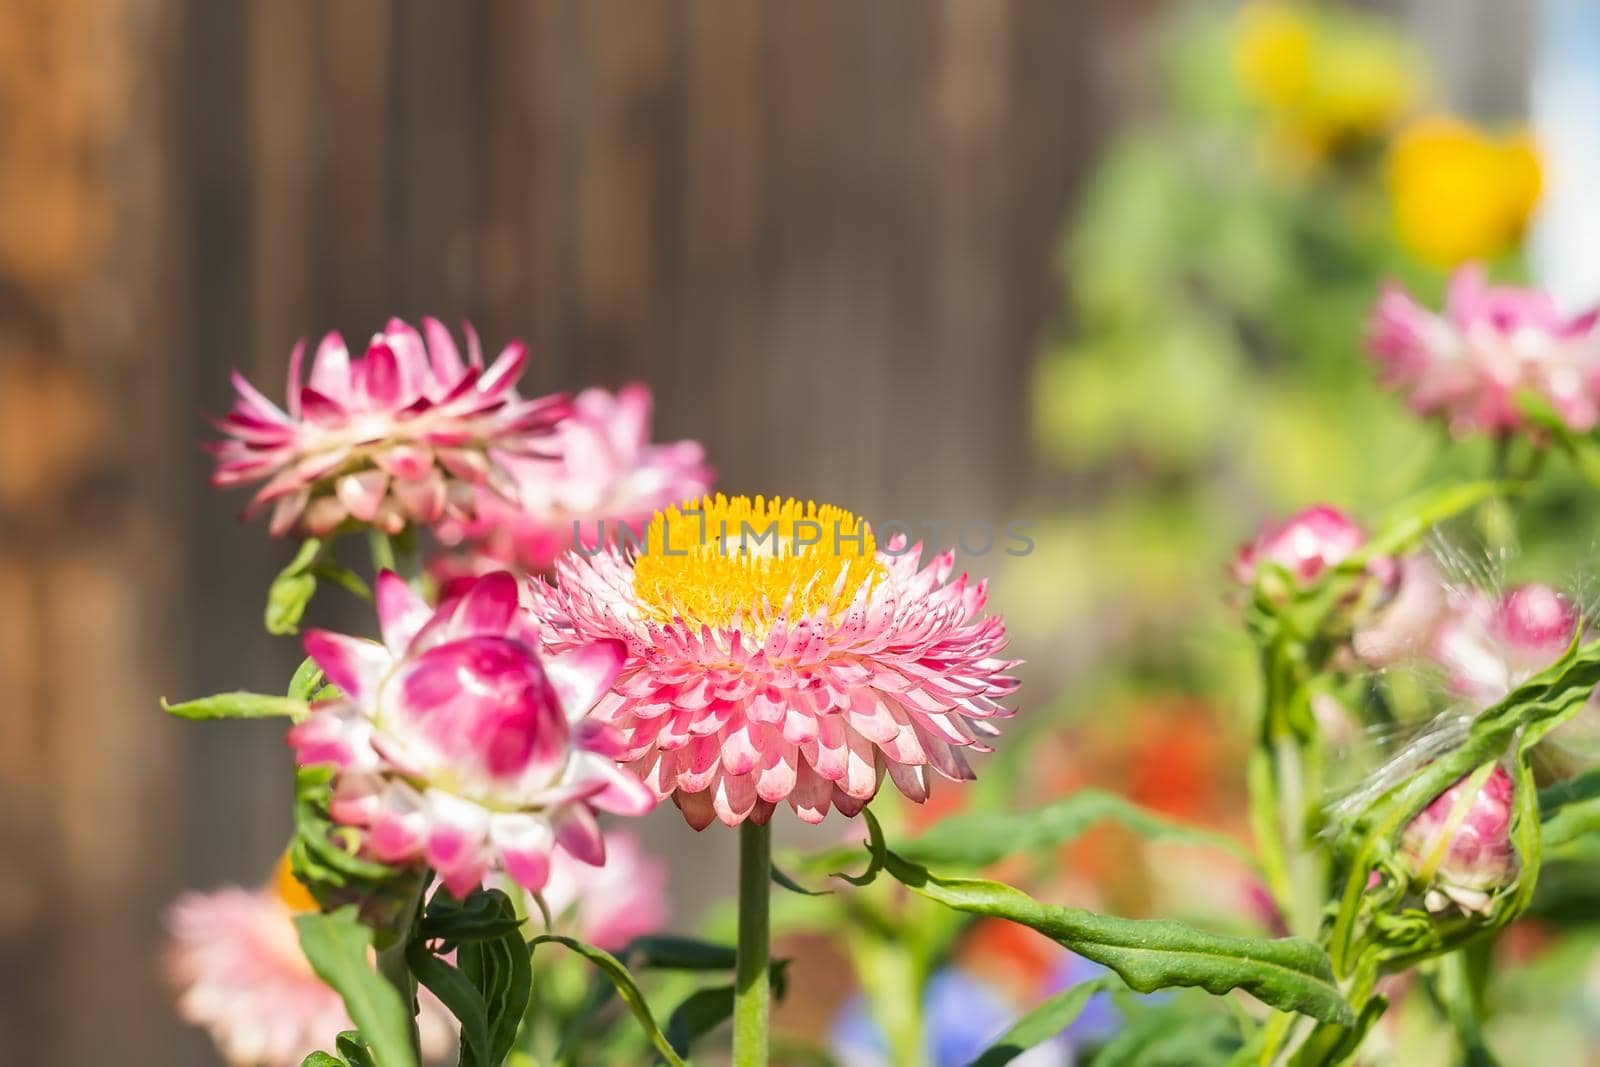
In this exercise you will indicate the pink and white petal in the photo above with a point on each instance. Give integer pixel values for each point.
(402, 611)
(354, 664)
(456, 832)
(524, 843)
(623, 793)
(362, 493)
(578, 834)
(583, 675)
(400, 828)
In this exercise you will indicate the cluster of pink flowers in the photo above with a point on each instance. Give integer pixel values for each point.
(1469, 363)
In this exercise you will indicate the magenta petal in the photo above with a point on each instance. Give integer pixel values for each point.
(353, 664)
(524, 843)
(584, 675)
(579, 834)
(380, 375)
(488, 606)
(401, 611)
(506, 369)
(623, 794)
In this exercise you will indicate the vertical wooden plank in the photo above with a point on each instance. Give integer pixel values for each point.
(356, 208)
(90, 525)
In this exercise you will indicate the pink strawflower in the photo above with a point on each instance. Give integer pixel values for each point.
(1468, 364)
(1306, 546)
(613, 904)
(403, 434)
(1489, 645)
(774, 654)
(234, 958)
(601, 483)
(1460, 847)
(457, 745)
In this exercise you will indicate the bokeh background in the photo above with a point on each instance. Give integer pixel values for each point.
(829, 235)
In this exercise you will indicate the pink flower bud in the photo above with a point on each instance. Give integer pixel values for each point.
(1306, 545)
(1461, 847)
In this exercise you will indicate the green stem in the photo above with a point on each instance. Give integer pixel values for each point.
(750, 991)
(382, 547)
(393, 969)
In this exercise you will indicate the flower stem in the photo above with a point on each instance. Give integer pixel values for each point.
(750, 993)
(392, 966)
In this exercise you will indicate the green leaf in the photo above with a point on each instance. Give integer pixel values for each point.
(1173, 1038)
(483, 916)
(1042, 1023)
(237, 705)
(460, 996)
(500, 970)
(671, 953)
(306, 681)
(293, 589)
(626, 988)
(795, 887)
(981, 839)
(1290, 974)
(337, 946)
(326, 857)
(322, 1059)
(353, 1050)
(699, 1014)
(1570, 810)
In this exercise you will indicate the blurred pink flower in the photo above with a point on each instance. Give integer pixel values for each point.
(403, 434)
(1460, 846)
(1468, 364)
(457, 745)
(1489, 645)
(234, 959)
(613, 904)
(1306, 545)
(603, 473)
(1402, 627)
(790, 671)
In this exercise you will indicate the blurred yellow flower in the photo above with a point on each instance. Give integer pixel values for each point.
(1459, 192)
(1327, 79)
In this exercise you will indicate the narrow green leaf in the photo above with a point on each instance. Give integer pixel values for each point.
(337, 946)
(237, 705)
(795, 887)
(460, 996)
(667, 952)
(626, 988)
(981, 839)
(1290, 974)
(483, 916)
(292, 590)
(700, 1013)
(1042, 1023)
(500, 970)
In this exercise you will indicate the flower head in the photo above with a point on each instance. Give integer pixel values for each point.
(1460, 844)
(602, 481)
(1305, 545)
(776, 654)
(1468, 364)
(1460, 193)
(234, 958)
(615, 903)
(402, 434)
(1489, 645)
(455, 743)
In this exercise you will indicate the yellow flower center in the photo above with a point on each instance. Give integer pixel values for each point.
(723, 561)
(290, 890)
